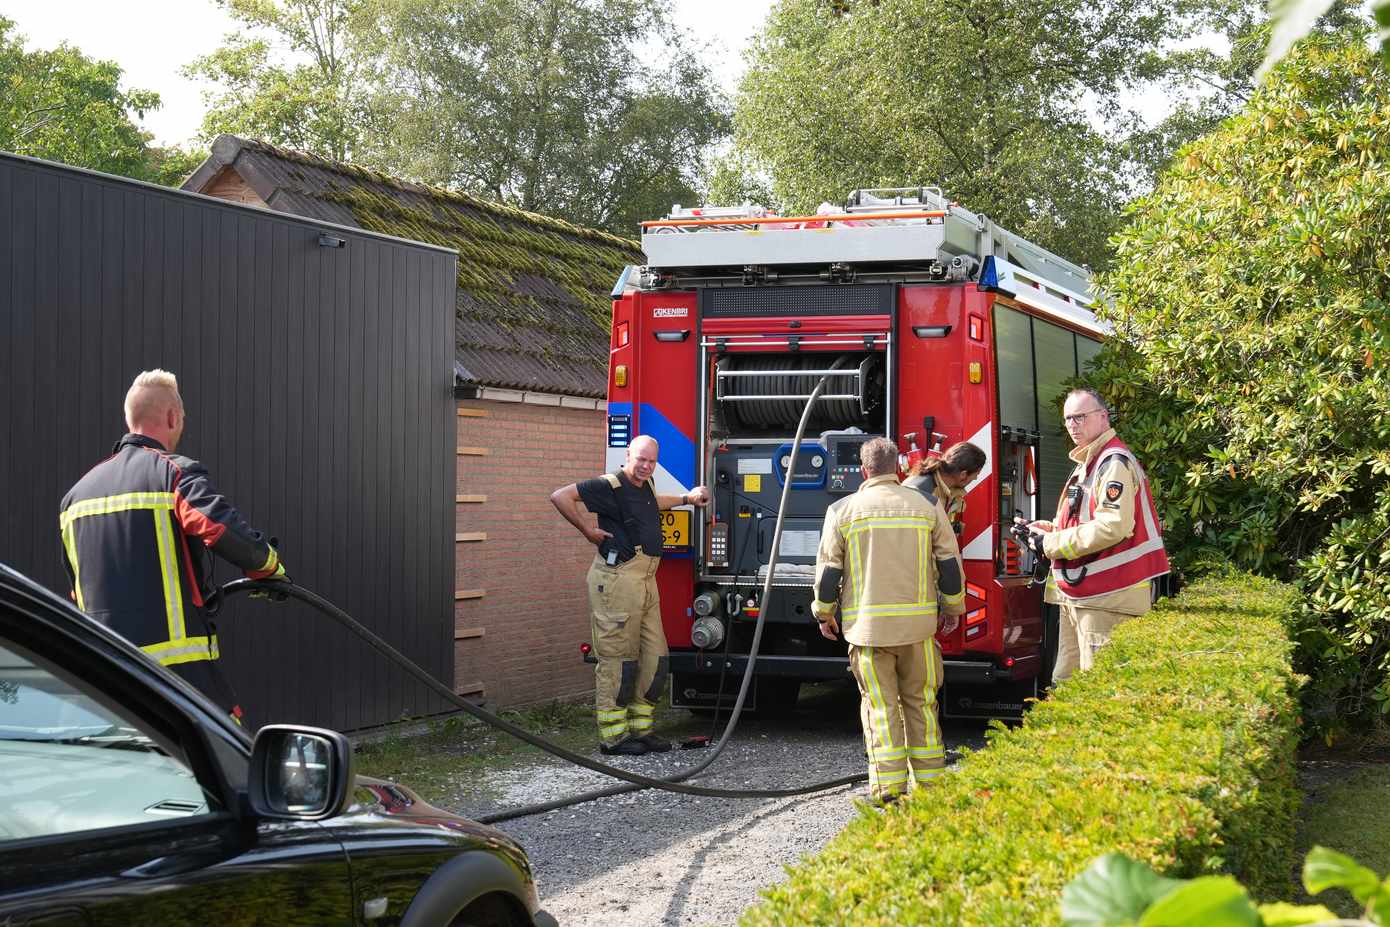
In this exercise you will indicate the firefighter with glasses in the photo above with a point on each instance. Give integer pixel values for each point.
(1105, 544)
(889, 565)
(137, 531)
(629, 642)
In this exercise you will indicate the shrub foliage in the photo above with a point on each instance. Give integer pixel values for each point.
(1252, 363)
(1177, 749)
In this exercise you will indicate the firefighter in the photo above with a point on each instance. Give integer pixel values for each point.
(629, 642)
(1105, 544)
(942, 479)
(889, 563)
(136, 532)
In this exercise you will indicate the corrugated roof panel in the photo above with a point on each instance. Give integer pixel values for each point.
(533, 291)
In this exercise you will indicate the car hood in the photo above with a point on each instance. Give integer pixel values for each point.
(384, 804)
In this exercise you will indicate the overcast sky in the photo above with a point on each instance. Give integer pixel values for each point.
(152, 46)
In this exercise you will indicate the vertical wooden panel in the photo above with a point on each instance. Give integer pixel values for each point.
(352, 318)
(337, 272)
(374, 503)
(318, 383)
(65, 374)
(41, 395)
(9, 227)
(393, 450)
(27, 261)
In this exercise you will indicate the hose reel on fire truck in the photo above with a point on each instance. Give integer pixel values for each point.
(761, 391)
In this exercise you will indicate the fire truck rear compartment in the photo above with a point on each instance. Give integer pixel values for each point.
(754, 404)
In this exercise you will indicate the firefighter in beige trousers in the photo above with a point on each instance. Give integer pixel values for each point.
(1105, 544)
(629, 643)
(889, 564)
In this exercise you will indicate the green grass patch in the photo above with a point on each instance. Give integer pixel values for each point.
(1177, 749)
(450, 752)
(1347, 814)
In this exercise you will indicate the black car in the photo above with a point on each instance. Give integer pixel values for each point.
(128, 798)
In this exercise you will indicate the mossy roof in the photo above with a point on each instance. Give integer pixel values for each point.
(533, 304)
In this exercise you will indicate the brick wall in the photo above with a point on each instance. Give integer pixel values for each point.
(521, 609)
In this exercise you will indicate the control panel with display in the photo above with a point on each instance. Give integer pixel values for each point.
(845, 474)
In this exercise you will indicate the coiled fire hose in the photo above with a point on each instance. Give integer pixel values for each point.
(634, 781)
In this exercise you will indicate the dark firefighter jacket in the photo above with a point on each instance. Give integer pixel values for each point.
(136, 532)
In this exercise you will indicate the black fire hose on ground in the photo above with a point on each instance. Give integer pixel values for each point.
(290, 590)
(635, 782)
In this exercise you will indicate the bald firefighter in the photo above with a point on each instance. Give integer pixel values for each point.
(628, 639)
(138, 530)
(889, 564)
(1105, 544)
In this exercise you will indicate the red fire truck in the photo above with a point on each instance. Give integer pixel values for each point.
(948, 328)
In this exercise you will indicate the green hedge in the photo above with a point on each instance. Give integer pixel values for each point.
(1178, 749)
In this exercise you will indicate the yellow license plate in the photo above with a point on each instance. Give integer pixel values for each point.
(675, 530)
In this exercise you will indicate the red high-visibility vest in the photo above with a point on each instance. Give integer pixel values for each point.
(1137, 558)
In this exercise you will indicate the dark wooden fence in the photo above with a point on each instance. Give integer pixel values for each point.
(318, 385)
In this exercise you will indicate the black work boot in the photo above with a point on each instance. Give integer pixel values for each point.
(630, 747)
(654, 744)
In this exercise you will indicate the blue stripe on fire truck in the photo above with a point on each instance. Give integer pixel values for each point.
(677, 451)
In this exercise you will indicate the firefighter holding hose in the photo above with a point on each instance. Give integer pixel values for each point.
(1105, 545)
(138, 531)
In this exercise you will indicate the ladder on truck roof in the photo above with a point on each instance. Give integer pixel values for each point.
(908, 233)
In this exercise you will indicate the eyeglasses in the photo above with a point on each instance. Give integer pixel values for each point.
(1079, 417)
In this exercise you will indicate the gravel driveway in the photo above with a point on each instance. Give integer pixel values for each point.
(657, 858)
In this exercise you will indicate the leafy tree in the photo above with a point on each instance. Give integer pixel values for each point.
(1210, 86)
(1252, 360)
(541, 104)
(299, 79)
(170, 167)
(63, 106)
(1294, 19)
(546, 104)
(993, 100)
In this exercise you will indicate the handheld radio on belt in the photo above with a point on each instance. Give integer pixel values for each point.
(1075, 494)
(630, 523)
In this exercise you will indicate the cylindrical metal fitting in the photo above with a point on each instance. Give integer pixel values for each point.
(707, 632)
(706, 603)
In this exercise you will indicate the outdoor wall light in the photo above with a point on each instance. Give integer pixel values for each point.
(331, 241)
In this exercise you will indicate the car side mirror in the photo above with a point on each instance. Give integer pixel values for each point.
(299, 773)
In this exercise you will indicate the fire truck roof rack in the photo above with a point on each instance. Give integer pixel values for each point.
(910, 233)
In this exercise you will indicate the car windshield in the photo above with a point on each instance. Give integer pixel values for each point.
(36, 705)
(70, 763)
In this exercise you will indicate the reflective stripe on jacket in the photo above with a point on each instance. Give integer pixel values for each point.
(886, 539)
(136, 532)
(1109, 541)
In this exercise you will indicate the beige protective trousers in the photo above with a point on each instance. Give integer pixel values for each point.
(897, 705)
(1081, 632)
(629, 644)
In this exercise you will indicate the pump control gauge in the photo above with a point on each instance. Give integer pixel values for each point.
(818, 461)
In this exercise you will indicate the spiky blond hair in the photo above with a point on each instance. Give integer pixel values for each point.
(149, 395)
